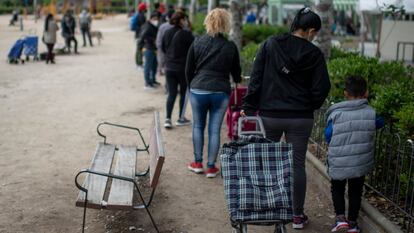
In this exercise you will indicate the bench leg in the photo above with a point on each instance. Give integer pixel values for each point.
(84, 212)
(145, 205)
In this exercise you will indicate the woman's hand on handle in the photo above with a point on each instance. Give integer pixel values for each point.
(242, 113)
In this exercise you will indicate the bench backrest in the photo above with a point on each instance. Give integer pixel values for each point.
(156, 150)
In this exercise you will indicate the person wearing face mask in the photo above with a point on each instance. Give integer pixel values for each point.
(289, 80)
(175, 45)
(146, 43)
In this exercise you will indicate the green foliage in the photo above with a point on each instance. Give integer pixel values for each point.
(371, 69)
(6, 9)
(339, 53)
(258, 33)
(248, 54)
(391, 87)
(390, 98)
(344, 66)
(198, 27)
(405, 119)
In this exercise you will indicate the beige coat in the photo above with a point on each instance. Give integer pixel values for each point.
(49, 36)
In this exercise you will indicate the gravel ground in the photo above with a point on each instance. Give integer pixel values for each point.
(47, 134)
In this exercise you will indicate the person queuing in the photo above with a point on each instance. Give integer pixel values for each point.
(161, 31)
(85, 21)
(49, 37)
(175, 45)
(146, 43)
(210, 61)
(137, 22)
(289, 80)
(68, 30)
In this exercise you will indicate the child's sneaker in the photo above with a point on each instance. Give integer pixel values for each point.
(299, 221)
(353, 227)
(341, 225)
(196, 167)
(212, 172)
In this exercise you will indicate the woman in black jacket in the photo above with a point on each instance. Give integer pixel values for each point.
(175, 44)
(288, 82)
(211, 59)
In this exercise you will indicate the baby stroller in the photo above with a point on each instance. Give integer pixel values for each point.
(30, 47)
(233, 112)
(16, 52)
(258, 180)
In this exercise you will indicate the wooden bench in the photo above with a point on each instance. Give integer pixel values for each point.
(112, 177)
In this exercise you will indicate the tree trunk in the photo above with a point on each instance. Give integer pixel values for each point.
(211, 5)
(324, 8)
(193, 10)
(236, 11)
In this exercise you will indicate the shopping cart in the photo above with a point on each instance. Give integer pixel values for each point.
(258, 179)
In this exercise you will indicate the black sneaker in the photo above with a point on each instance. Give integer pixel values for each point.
(182, 122)
(156, 84)
(167, 123)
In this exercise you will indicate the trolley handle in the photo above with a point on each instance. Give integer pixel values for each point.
(259, 126)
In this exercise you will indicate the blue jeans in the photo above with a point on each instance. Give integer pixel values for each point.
(150, 67)
(215, 105)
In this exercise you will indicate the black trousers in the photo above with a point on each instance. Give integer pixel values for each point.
(297, 132)
(355, 188)
(68, 42)
(175, 79)
(86, 32)
(50, 55)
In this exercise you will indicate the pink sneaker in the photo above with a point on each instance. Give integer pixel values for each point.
(196, 167)
(212, 172)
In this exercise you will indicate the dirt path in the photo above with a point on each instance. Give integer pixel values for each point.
(47, 134)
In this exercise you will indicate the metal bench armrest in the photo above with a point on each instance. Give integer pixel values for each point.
(124, 127)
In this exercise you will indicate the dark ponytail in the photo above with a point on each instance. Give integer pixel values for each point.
(48, 18)
(306, 19)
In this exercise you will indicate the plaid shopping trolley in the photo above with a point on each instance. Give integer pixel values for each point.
(258, 179)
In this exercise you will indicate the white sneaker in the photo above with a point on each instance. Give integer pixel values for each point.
(167, 123)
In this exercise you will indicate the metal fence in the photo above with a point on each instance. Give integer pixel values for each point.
(392, 180)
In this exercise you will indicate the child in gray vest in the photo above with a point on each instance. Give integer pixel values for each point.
(350, 134)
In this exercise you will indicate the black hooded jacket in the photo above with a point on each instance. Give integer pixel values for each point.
(210, 61)
(289, 79)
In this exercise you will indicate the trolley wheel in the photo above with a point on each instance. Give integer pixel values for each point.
(280, 228)
(241, 228)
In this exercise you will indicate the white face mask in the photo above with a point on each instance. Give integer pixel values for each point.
(154, 22)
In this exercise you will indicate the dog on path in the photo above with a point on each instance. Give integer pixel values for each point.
(97, 35)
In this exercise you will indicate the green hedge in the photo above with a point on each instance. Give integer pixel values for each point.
(253, 33)
(391, 87)
(6, 10)
(248, 54)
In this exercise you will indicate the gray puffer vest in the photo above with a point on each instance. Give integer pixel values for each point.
(351, 150)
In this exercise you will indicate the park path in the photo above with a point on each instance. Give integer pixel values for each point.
(47, 134)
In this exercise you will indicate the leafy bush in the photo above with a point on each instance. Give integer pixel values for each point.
(248, 54)
(371, 69)
(258, 33)
(339, 53)
(198, 27)
(7, 9)
(389, 99)
(405, 119)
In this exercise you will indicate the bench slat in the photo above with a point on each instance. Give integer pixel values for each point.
(96, 184)
(121, 194)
